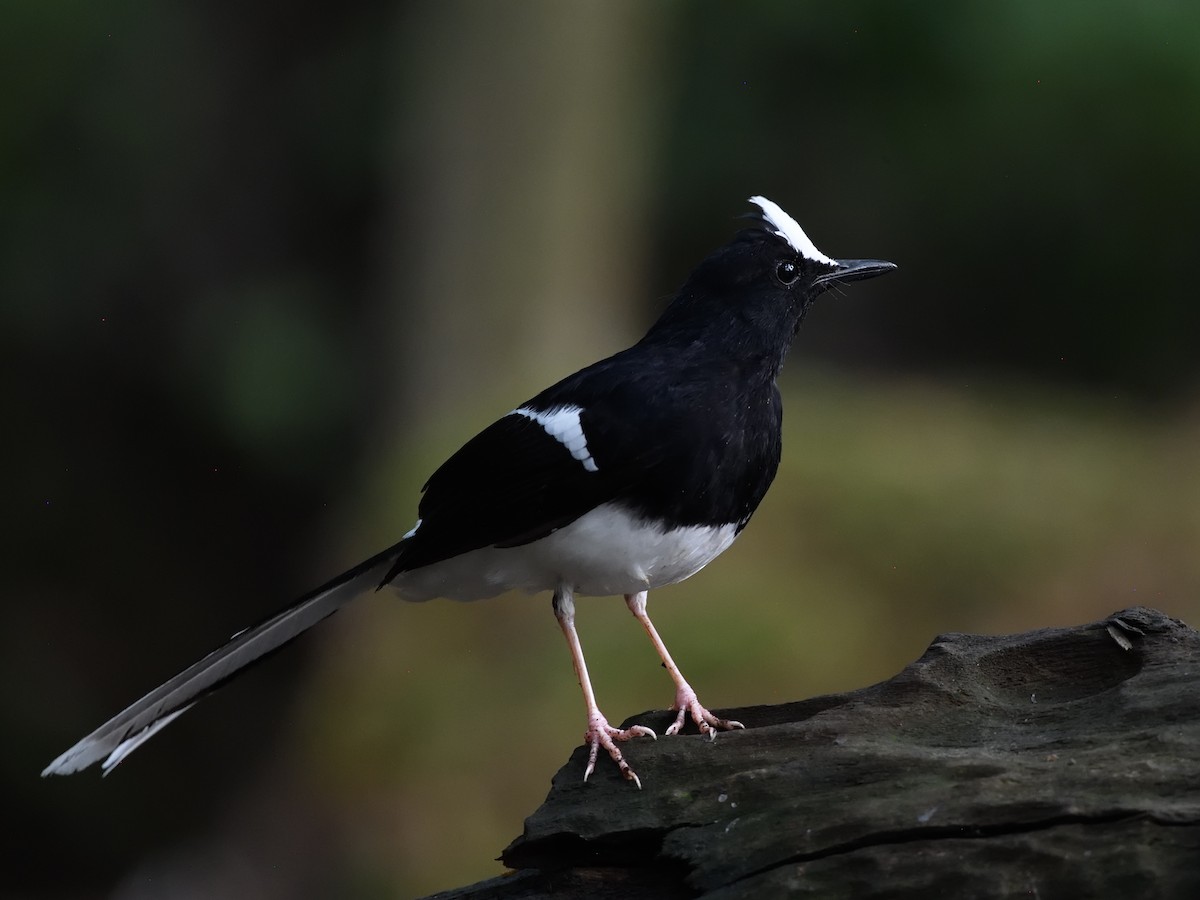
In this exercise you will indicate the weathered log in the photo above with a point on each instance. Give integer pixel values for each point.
(1063, 762)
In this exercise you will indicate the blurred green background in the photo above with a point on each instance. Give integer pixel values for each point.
(264, 265)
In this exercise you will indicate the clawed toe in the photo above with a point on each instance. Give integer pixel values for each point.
(686, 704)
(601, 734)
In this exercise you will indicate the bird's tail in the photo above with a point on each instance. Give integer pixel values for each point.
(129, 729)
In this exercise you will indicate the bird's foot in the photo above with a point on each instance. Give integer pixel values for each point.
(686, 704)
(600, 734)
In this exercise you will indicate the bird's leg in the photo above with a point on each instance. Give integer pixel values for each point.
(599, 733)
(685, 698)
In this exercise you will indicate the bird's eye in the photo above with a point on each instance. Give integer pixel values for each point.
(787, 271)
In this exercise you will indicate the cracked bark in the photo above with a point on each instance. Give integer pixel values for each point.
(1056, 763)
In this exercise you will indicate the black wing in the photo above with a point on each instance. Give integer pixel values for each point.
(510, 484)
(514, 482)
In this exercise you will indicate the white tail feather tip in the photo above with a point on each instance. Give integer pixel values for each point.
(130, 744)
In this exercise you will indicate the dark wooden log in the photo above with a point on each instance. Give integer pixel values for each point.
(1063, 762)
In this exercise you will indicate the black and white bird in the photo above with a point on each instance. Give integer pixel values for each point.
(631, 474)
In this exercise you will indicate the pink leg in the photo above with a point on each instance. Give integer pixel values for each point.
(599, 733)
(685, 698)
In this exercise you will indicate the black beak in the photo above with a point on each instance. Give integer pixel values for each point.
(854, 270)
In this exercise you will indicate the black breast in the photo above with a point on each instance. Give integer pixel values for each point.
(719, 454)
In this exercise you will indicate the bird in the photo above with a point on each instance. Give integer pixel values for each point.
(633, 473)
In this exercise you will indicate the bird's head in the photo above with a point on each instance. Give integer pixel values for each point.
(750, 296)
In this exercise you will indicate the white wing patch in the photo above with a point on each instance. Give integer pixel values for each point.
(789, 229)
(562, 423)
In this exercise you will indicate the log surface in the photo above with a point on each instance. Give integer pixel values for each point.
(1056, 763)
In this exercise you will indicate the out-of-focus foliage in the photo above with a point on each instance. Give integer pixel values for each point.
(262, 268)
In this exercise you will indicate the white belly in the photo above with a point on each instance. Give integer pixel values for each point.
(605, 552)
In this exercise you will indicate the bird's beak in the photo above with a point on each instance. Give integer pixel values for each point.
(854, 270)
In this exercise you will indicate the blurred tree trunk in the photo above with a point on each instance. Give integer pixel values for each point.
(522, 171)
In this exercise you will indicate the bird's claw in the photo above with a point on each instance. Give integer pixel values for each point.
(687, 704)
(600, 734)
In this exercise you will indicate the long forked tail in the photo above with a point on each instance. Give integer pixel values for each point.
(129, 729)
